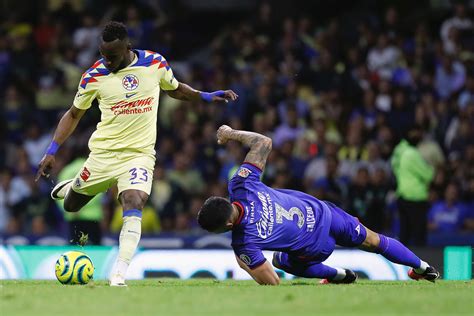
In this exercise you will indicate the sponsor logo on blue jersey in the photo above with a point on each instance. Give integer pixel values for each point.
(265, 223)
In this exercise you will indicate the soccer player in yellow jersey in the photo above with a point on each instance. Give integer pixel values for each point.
(127, 84)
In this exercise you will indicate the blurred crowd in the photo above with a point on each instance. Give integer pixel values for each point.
(335, 96)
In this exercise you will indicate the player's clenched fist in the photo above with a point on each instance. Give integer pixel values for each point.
(45, 166)
(223, 134)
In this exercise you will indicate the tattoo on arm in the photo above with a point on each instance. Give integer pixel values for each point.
(260, 146)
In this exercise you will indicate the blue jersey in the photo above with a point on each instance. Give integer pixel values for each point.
(276, 219)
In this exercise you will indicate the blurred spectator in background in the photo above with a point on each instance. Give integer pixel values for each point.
(360, 195)
(86, 41)
(182, 174)
(289, 129)
(466, 97)
(374, 162)
(367, 197)
(332, 186)
(5, 211)
(378, 211)
(4, 60)
(35, 142)
(16, 113)
(316, 168)
(401, 115)
(31, 211)
(168, 198)
(449, 215)
(383, 58)
(452, 27)
(450, 77)
(413, 176)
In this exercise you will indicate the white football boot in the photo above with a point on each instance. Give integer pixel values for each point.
(60, 190)
(117, 280)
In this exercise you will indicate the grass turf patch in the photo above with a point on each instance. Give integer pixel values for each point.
(211, 297)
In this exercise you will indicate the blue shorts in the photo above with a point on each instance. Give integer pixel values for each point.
(345, 231)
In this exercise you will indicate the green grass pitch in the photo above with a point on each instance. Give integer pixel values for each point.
(243, 298)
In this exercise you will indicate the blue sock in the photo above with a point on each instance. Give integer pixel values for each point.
(396, 252)
(132, 212)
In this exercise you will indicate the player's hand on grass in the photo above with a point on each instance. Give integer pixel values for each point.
(45, 166)
(223, 134)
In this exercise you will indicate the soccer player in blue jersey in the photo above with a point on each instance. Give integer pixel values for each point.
(301, 229)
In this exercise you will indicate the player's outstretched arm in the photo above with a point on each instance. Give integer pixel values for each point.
(263, 275)
(66, 126)
(186, 93)
(260, 145)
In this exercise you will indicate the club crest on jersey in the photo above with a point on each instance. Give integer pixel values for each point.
(85, 174)
(130, 82)
(244, 172)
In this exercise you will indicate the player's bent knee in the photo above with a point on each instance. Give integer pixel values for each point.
(73, 202)
(133, 199)
(71, 207)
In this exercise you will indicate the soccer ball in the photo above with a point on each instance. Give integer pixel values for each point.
(74, 267)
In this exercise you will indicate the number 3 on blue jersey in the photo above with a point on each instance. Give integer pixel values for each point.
(281, 212)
